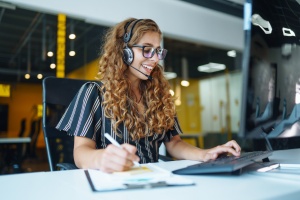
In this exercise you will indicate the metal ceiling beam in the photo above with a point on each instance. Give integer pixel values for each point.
(11, 25)
(31, 28)
(44, 35)
(7, 5)
(16, 72)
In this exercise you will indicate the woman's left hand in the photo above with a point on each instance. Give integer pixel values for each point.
(230, 147)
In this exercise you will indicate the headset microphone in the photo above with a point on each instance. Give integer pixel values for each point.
(148, 76)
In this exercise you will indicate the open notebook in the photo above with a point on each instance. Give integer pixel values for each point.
(146, 176)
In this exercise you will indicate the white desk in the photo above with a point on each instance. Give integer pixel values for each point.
(15, 140)
(73, 185)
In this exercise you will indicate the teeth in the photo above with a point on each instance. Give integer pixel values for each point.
(148, 67)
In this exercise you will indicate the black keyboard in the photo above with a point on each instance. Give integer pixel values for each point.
(225, 164)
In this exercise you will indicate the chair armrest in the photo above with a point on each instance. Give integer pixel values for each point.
(165, 158)
(66, 166)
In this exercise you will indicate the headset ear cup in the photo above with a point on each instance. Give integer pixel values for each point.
(127, 56)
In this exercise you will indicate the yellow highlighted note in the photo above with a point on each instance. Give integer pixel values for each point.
(135, 170)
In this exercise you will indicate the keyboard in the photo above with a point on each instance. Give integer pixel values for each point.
(225, 164)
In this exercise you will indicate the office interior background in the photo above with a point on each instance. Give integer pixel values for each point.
(204, 41)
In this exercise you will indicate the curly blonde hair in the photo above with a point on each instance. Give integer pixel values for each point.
(119, 104)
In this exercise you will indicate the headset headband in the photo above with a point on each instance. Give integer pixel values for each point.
(127, 36)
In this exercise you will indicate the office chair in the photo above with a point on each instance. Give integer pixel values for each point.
(13, 155)
(57, 94)
(35, 127)
(22, 127)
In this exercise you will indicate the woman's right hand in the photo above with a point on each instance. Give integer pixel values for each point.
(115, 159)
(111, 159)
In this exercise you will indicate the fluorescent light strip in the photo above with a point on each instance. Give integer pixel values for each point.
(211, 67)
(288, 32)
(265, 25)
(170, 75)
(231, 53)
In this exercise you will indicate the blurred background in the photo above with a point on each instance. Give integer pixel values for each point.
(203, 65)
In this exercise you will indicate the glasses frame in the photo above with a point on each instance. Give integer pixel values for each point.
(158, 51)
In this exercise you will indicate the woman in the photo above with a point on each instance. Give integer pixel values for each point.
(132, 103)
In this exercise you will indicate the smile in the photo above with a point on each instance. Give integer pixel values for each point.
(147, 68)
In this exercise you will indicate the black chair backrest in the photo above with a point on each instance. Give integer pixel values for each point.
(22, 127)
(57, 94)
(35, 127)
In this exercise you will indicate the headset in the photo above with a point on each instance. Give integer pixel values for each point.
(127, 52)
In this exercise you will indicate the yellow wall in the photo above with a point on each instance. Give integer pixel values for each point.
(189, 111)
(25, 97)
(22, 104)
(88, 72)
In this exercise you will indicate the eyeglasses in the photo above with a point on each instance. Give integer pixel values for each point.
(148, 52)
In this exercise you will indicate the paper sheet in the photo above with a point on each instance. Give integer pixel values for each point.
(148, 176)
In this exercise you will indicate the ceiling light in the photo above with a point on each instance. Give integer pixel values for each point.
(53, 66)
(231, 53)
(170, 75)
(72, 53)
(211, 67)
(27, 76)
(50, 54)
(185, 83)
(39, 76)
(265, 25)
(172, 92)
(72, 36)
(288, 32)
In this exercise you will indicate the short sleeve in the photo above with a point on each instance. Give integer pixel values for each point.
(175, 131)
(83, 115)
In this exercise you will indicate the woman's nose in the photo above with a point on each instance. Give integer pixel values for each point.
(155, 58)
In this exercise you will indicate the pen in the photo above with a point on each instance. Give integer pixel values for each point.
(114, 142)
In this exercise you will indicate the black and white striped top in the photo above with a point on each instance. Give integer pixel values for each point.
(85, 117)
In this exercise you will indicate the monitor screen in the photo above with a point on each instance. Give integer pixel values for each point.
(271, 70)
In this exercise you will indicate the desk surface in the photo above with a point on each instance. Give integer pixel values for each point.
(73, 185)
(15, 140)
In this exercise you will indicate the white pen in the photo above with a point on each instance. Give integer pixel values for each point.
(114, 142)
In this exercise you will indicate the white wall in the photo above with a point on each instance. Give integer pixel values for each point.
(212, 92)
(177, 19)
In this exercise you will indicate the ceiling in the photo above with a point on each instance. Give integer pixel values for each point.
(26, 36)
(279, 14)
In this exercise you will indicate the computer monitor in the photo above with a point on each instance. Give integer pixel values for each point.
(271, 73)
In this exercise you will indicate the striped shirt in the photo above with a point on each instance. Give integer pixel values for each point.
(85, 117)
